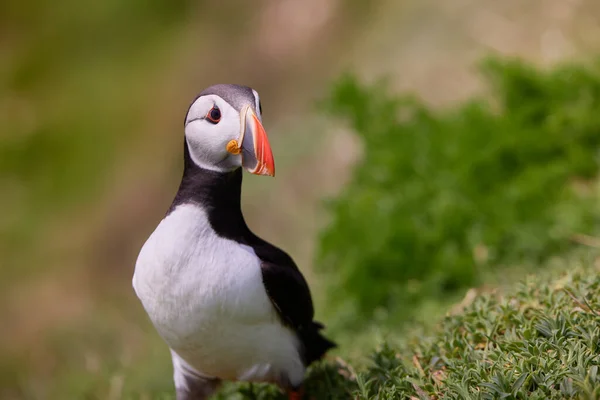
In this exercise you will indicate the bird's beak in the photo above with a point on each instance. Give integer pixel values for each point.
(257, 157)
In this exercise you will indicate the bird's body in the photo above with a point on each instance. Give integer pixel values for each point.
(209, 302)
(230, 305)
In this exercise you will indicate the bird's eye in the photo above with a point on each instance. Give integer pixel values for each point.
(214, 115)
(260, 107)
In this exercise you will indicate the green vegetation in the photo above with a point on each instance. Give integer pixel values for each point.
(439, 199)
(540, 342)
(72, 85)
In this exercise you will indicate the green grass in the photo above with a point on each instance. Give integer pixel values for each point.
(542, 341)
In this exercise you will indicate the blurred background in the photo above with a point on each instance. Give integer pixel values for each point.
(92, 98)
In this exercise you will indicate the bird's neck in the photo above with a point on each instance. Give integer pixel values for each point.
(218, 193)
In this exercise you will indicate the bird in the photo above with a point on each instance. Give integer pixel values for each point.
(229, 305)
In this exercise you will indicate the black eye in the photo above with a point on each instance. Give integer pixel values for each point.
(214, 115)
(260, 107)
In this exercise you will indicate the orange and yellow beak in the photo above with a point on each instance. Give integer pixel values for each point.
(257, 157)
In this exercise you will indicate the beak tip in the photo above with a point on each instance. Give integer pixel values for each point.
(259, 147)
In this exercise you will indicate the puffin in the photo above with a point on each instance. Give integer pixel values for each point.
(229, 305)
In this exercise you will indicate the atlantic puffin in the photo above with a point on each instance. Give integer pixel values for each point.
(229, 305)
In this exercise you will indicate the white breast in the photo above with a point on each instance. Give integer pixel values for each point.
(206, 297)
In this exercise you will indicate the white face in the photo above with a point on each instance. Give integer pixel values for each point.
(207, 138)
(222, 136)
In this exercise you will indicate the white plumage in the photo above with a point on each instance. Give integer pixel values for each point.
(206, 298)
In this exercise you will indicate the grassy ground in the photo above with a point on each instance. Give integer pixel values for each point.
(537, 340)
(90, 149)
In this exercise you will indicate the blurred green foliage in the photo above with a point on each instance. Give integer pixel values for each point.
(71, 80)
(75, 84)
(441, 196)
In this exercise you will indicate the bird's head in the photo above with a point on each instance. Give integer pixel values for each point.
(223, 131)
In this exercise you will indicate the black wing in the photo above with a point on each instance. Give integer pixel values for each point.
(290, 295)
(285, 286)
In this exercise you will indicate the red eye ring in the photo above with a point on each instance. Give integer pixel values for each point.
(214, 115)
